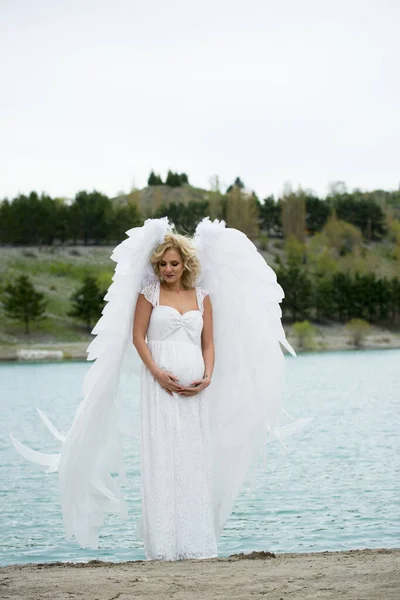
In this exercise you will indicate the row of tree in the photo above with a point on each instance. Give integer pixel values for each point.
(41, 220)
(340, 297)
(172, 179)
(93, 218)
(301, 213)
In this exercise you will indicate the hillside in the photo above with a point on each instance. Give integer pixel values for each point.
(57, 272)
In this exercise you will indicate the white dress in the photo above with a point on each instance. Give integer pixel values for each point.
(177, 490)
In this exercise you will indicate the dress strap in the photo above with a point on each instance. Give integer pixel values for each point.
(201, 293)
(151, 291)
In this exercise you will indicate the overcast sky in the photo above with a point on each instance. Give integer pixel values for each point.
(96, 93)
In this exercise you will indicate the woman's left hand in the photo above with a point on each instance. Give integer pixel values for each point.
(195, 388)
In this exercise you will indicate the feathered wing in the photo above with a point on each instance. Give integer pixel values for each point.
(246, 391)
(87, 489)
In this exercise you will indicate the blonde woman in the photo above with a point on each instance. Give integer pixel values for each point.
(175, 317)
(199, 320)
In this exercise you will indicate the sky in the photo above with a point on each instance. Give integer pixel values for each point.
(96, 93)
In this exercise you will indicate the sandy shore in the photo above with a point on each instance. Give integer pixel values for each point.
(352, 575)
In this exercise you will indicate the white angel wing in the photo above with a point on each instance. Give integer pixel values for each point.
(246, 389)
(87, 489)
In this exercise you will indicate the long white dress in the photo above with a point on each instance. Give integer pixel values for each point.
(177, 486)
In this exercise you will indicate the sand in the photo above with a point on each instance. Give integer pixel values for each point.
(352, 575)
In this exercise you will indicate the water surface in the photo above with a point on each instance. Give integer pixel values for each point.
(338, 488)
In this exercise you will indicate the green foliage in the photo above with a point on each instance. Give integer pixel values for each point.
(176, 179)
(184, 216)
(238, 184)
(342, 236)
(363, 213)
(358, 330)
(154, 179)
(22, 302)
(293, 213)
(319, 256)
(241, 211)
(263, 242)
(295, 251)
(305, 334)
(270, 216)
(317, 213)
(298, 290)
(87, 302)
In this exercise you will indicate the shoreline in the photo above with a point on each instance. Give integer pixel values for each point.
(330, 339)
(353, 574)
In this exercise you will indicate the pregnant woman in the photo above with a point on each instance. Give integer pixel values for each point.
(176, 318)
(203, 421)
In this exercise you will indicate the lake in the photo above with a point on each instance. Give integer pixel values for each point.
(338, 488)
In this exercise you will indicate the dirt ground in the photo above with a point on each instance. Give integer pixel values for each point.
(352, 575)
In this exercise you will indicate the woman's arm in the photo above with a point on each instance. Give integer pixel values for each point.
(140, 325)
(207, 347)
(207, 340)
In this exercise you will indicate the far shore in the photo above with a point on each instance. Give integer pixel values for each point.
(329, 338)
(350, 575)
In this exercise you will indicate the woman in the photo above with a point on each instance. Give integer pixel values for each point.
(186, 502)
(178, 358)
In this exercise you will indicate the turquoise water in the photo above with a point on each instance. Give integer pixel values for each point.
(338, 488)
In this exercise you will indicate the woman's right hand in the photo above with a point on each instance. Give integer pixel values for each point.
(167, 381)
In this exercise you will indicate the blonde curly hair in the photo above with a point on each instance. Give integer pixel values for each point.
(183, 245)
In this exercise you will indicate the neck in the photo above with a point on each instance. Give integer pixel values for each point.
(174, 287)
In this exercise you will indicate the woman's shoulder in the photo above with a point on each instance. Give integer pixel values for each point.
(201, 294)
(200, 290)
(150, 290)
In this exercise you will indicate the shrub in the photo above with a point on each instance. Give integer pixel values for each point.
(305, 334)
(263, 242)
(358, 330)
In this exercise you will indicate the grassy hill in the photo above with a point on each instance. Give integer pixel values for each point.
(56, 272)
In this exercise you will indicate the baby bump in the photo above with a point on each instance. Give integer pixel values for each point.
(185, 361)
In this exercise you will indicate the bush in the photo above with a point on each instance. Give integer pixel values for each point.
(263, 242)
(358, 330)
(305, 334)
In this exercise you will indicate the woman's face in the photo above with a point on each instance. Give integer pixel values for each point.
(171, 266)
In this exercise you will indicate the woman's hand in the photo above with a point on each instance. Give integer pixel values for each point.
(196, 387)
(167, 381)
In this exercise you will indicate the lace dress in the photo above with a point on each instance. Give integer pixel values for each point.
(177, 492)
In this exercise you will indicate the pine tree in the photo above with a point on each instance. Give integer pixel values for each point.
(173, 179)
(22, 302)
(154, 179)
(87, 302)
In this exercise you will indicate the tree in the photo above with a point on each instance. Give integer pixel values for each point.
(22, 302)
(185, 217)
(173, 179)
(238, 183)
(293, 207)
(154, 179)
(241, 212)
(87, 302)
(298, 290)
(317, 213)
(342, 236)
(270, 216)
(90, 217)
